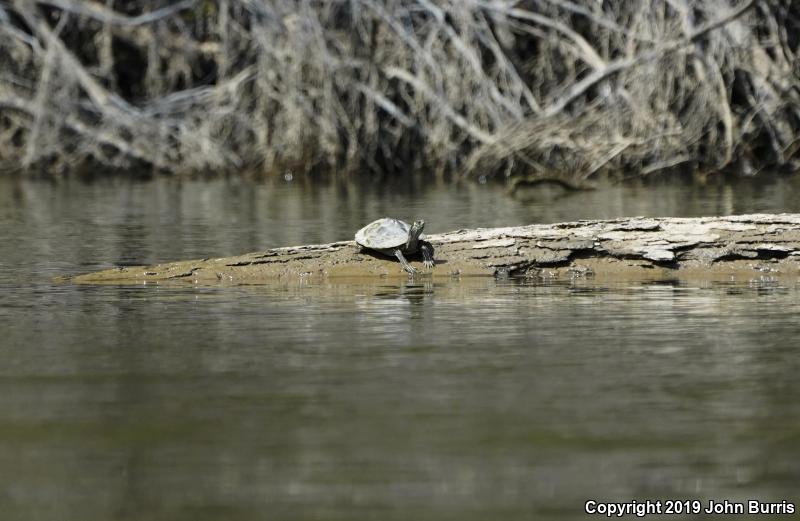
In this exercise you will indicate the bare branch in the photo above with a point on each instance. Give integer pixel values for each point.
(108, 16)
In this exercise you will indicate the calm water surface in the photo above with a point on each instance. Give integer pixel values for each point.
(469, 400)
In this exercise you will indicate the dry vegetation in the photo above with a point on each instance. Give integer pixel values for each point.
(471, 87)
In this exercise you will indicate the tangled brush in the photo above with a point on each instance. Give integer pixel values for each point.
(447, 87)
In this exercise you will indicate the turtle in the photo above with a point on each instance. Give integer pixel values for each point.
(394, 237)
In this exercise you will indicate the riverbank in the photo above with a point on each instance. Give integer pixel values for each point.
(477, 89)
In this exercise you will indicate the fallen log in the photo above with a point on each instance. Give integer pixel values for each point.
(717, 247)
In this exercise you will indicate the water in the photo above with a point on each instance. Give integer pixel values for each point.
(468, 400)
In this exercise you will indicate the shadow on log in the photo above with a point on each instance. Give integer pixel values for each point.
(743, 246)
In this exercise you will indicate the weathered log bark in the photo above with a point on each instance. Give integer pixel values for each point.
(743, 246)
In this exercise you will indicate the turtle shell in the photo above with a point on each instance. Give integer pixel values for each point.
(383, 234)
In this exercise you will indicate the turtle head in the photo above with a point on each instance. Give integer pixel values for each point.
(413, 234)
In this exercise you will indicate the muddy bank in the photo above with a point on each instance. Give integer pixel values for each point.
(745, 246)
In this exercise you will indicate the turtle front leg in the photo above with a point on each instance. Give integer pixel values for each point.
(427, 254)
(406, 266)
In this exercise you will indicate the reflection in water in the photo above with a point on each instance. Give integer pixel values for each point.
(470, 399)
(457, 400)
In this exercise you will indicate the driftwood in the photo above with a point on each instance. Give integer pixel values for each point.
(740, 246)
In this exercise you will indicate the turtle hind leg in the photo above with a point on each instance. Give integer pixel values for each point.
(406, 266)
(427, 254)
